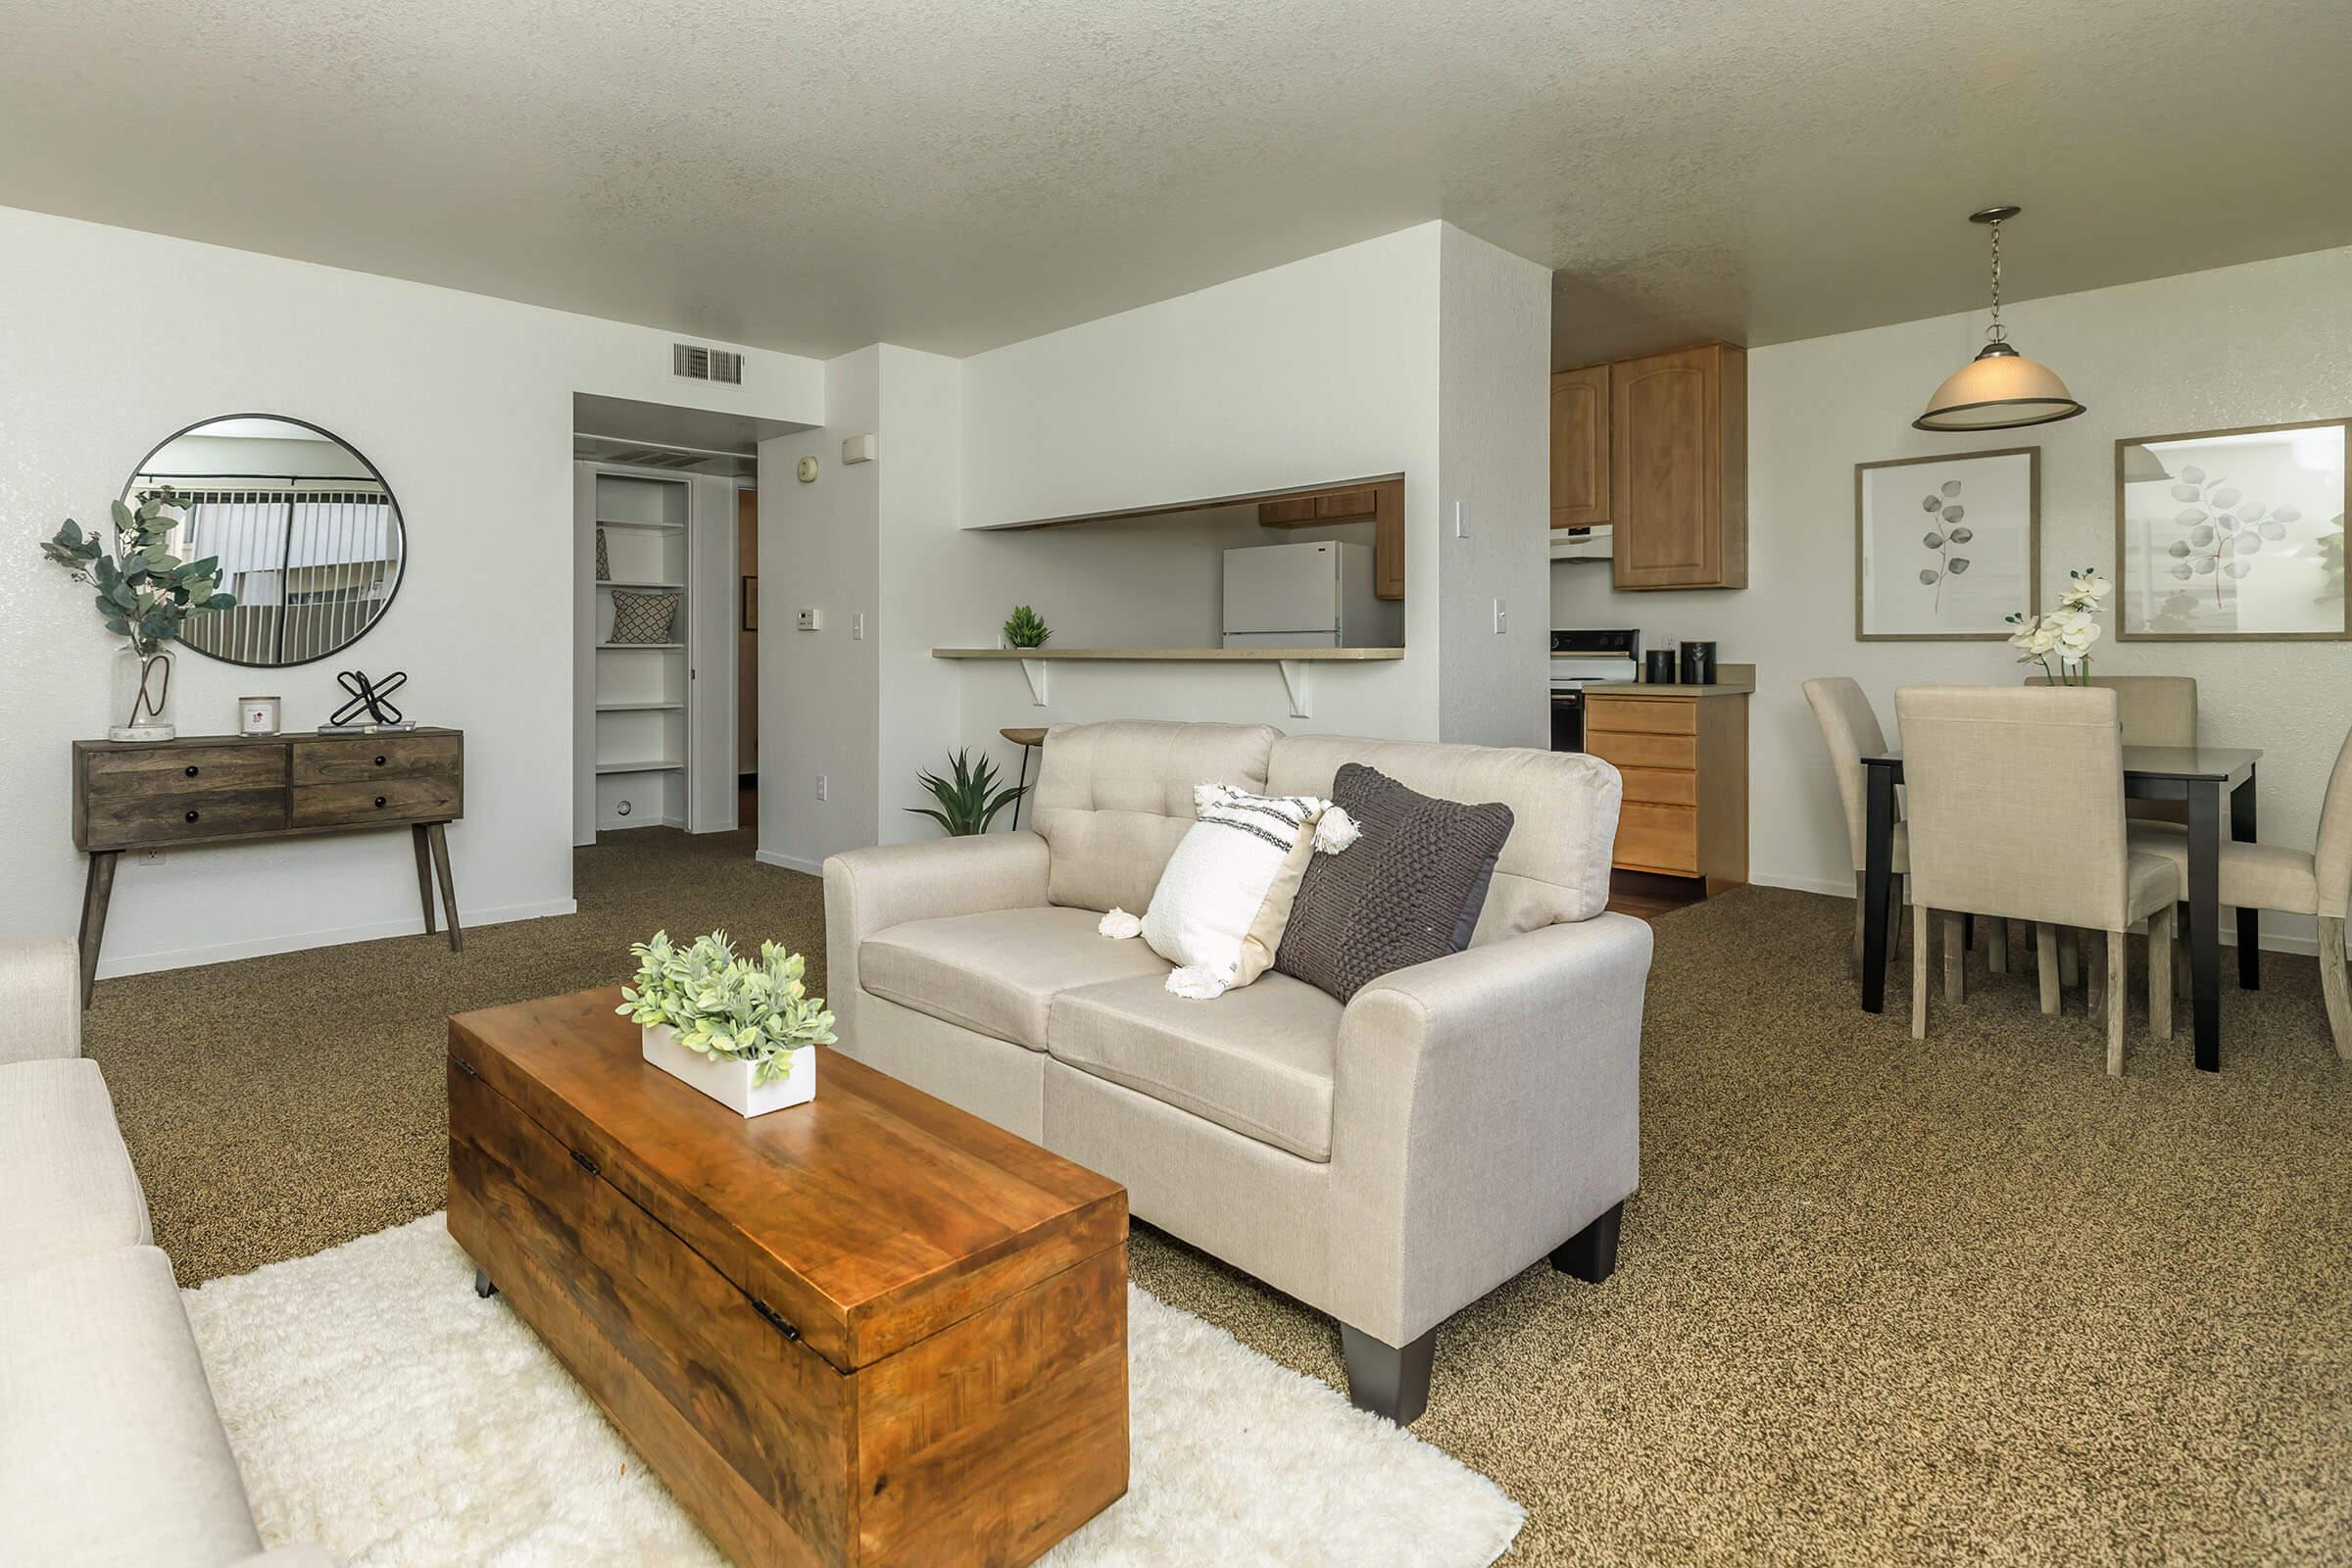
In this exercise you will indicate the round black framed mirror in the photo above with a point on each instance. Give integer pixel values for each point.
(309, 537)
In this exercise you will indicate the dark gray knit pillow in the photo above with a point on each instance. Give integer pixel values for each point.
(643, 618)
(1407, 891)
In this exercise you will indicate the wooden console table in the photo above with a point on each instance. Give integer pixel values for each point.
(217, 789)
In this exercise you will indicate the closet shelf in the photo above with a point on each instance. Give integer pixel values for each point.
(611, 582)
(652, 766)
(606, 648)
(623, 522)
(640, 708)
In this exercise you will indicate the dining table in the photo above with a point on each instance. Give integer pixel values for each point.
(2200, 776)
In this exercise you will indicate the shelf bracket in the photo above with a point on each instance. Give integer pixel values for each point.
(1035, 669)
(1294, 676)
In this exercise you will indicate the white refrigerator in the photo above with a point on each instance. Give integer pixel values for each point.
(1317, 595)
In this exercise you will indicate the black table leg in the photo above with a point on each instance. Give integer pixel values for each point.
(2249, 921)
(2205, 919)
(1878, 872)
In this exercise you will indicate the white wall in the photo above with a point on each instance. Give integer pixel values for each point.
(2257, 344)
(111, 339)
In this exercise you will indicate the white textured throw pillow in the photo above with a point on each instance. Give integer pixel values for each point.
(1221, 903)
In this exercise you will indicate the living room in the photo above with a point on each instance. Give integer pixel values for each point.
(1291, 1108)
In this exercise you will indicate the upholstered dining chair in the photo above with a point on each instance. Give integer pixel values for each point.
(2270, 876)
(2017, 809)
(1850, 728)
(2153, 710)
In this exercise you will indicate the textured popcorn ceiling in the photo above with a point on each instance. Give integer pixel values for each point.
(957, 174)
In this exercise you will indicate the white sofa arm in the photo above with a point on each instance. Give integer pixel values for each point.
(1486, 1107)
(40, 999)
(288, 1557)
(871, 889)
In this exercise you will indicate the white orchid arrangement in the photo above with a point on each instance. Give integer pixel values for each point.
(2067, 632)
(720, 1006)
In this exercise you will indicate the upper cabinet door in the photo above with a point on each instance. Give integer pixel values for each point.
(1580, 446)
(1677, 472)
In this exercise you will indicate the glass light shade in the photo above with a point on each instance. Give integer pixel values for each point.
(1999, 389)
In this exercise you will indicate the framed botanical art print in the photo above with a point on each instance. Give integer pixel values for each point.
(1946, 548)
(2234, 534)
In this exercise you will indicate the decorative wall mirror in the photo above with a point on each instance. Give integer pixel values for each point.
(309, 537)
(2234, 534)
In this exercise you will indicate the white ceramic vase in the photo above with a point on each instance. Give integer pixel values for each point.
(727, 1081)
(141, 708)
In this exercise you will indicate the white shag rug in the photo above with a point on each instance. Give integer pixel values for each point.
(381, 1410)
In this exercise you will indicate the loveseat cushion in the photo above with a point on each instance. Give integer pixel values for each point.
(997, 972)
(1258, 1061)
(111, 1451)
(1555, 864)
(1113, 800)
(69, 1184)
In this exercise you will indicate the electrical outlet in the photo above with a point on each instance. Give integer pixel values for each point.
(857, 628)
(821, 786)
(1502, 617)
(151, 857)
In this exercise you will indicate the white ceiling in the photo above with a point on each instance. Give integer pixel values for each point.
(957, 174)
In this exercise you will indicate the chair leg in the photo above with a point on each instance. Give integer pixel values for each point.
(2337, 987)
(1900, 887)
(2094, 974)
(1919, 971)
(1996, 945)
(2045, 965)
(2119, 989)
(1388, 1380)
(1859, 922)
(2070, 957)
(1591, 1254)
(2160, 974)
(1955, 957)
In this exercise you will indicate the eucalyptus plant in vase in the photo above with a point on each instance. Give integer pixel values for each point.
(144, 592)
(2067, 633)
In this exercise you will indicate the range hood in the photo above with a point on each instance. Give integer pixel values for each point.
(1581, 544)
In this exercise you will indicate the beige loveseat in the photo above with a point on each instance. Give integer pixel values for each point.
(111, 1452)
(1387, 1162)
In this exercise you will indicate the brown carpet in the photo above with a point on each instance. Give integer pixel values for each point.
(1961, 1300)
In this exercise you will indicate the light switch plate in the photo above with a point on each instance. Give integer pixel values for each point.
(1502, 616)
(1461, 520)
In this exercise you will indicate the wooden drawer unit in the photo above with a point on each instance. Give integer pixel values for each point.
(217, 789)
(1683, 760)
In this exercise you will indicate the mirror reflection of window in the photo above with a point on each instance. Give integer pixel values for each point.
(308, 536)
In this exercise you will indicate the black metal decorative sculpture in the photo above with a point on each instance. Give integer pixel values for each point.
(370, 697)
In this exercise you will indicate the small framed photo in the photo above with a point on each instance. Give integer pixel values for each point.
(1947, 548)
(257, 716)
(750, 603)
(2234, 535)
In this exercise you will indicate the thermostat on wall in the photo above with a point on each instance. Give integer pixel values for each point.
(812, 619)
(862, 448)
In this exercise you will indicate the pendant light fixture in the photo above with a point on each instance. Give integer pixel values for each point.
(2000, 390)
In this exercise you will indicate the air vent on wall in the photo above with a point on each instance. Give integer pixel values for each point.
(697, 363)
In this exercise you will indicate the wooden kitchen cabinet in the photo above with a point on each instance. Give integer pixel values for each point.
(1580, 446)
(1682, 755)
(1381, 505)
(1678, 469)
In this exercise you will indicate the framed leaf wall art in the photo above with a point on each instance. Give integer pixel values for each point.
(2233, 535)
(1946, 548)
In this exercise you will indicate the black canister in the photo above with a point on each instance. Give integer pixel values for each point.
(1698, 664)
(1658, 667)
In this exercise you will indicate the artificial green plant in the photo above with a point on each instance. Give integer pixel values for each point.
(145, 591)
(723, 1007)
(970, 801)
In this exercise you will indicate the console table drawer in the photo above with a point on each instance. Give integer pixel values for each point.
(179, 816)
(360, 758)
(175, 770)
(393, 799)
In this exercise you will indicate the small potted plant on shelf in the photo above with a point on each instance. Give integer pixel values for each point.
(738, 1029)
(1024, 629)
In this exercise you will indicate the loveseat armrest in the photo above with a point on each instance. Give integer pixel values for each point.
(871, 889)
(40, 999)
(1486, 1107)
(288, 1557)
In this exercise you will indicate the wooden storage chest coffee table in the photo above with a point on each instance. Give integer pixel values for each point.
(871, 1329)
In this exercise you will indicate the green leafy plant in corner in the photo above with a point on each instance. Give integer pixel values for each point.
(970, 801)
(145, 591)
(720, 1006)
(1025, 628)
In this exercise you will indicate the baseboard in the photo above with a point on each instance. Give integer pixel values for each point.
(110, 968)
(790, 862)
(2272, 941)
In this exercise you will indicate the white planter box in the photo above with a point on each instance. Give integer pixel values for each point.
(730, 1082)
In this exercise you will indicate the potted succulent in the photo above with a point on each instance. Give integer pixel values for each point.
(970, 801)
(738, 1029)
(144, 593)
(1025, 628)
